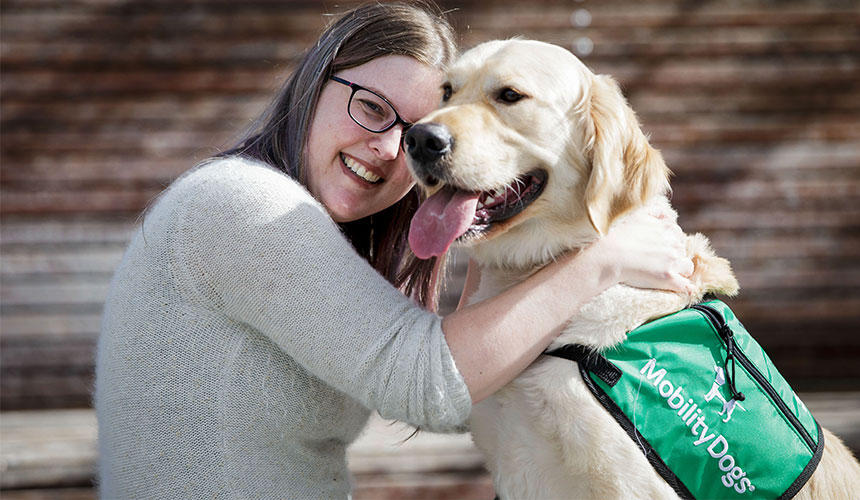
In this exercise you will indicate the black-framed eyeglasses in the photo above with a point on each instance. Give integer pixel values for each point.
(371, 111)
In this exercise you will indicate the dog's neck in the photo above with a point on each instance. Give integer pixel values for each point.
(526, 249)
(497, 278)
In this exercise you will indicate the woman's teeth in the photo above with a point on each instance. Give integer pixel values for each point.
(360, 171)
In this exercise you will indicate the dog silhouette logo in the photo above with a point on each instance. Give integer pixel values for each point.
(728, 406)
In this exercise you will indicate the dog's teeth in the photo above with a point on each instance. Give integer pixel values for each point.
(480, 205)
(499, 192)
(490, 200)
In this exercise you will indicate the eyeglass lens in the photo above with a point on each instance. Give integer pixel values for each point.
(371, 111)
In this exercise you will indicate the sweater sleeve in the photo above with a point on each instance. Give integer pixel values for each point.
(258, 247)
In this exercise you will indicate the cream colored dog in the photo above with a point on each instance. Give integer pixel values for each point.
(532, 155)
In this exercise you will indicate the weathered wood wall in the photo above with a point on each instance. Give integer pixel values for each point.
(755, 105)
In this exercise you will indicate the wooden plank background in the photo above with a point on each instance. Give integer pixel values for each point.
(754, 104)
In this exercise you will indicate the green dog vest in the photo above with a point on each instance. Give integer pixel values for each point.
(706, 406)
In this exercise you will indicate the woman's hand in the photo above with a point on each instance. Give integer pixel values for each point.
(647, 249)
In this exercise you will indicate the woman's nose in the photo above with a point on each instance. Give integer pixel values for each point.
(387, 144)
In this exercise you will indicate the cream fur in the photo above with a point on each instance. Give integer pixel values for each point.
(544, 434)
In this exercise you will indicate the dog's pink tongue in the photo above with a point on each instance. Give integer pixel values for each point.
(440, 220)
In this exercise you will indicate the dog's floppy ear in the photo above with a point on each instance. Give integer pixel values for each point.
(625, 170)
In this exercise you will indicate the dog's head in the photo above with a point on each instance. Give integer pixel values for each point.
(530, 151)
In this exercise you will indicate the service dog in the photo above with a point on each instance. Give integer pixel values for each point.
(529, 156)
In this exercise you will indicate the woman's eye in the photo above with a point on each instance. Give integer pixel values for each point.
(446, 92)
(509, 95)
(371, 107)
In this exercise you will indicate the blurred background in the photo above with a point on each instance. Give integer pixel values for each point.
(755, 105)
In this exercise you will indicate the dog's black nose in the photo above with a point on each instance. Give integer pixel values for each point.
(428, 142)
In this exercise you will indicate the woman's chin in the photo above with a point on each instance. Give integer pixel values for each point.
(345, 209)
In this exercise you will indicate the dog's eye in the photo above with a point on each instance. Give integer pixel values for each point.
(446, 92)
(509, 95)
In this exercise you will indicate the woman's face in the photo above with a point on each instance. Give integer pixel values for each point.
(354, 172)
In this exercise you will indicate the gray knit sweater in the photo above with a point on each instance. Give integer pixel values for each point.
(244, 343)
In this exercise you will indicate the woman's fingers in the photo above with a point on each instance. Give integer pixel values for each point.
(686, 267)
(650, 250)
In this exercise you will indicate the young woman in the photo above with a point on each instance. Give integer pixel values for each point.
(262, 310)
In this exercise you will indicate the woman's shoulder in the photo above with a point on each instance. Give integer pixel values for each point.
(236, 173)
(234, 193)
(235, 181)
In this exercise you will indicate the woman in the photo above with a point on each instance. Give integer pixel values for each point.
(246, 340)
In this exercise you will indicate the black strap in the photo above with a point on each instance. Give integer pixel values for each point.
(591, 360)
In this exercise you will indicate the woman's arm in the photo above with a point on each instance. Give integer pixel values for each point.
(254, 247)
(494, 340)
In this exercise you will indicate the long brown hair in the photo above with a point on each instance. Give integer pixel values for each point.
(413, 29)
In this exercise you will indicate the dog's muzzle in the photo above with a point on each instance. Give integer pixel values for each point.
(427, 145)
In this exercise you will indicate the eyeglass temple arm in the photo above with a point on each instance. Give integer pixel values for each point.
(341, 80)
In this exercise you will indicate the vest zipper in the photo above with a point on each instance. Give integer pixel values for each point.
(725, 333)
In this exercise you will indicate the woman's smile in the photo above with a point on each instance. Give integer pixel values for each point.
(365, 174)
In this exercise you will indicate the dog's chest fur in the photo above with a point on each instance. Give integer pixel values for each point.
(546, 435)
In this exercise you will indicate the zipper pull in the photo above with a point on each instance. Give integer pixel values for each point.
(729, 336)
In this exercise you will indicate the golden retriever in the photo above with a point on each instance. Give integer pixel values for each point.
(532, 155)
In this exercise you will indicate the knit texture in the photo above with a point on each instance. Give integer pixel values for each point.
(244, 344)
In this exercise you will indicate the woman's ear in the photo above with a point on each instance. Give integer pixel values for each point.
(625, 170)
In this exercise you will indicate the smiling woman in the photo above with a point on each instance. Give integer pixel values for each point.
(231, 360)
